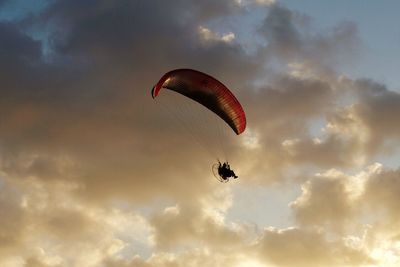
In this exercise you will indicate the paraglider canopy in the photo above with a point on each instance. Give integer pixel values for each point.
(207, 91)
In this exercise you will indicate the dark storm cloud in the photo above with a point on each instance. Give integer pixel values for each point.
(136, 36)
(19, 53)
(17, 45)
(292, 37)
(84, 113)
(281, 31)
(379, 109)
(2, 2)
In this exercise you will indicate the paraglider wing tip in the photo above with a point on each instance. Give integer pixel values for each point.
(152, 92)
(240, 130)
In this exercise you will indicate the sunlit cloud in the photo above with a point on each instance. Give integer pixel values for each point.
(208, 36)
(257, 2)
(94, 173)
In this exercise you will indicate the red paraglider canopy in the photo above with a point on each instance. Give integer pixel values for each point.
(207, 91)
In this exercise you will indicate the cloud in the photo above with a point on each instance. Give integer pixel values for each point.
(377, 108)
(12, 219)
(306, 90)
(283, 110)
(191, 259)
(297, 247)
(256, 2)
(265, 2)
(208, 36)
(65, 110)
(290, 34)
(43, 220)
(325, 201)
(87, 158)
(354, 134)
(382, 195)
(194, 225)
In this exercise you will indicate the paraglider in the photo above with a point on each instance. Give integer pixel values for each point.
(210, 93)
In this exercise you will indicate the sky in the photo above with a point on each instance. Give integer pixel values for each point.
(96, 173)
